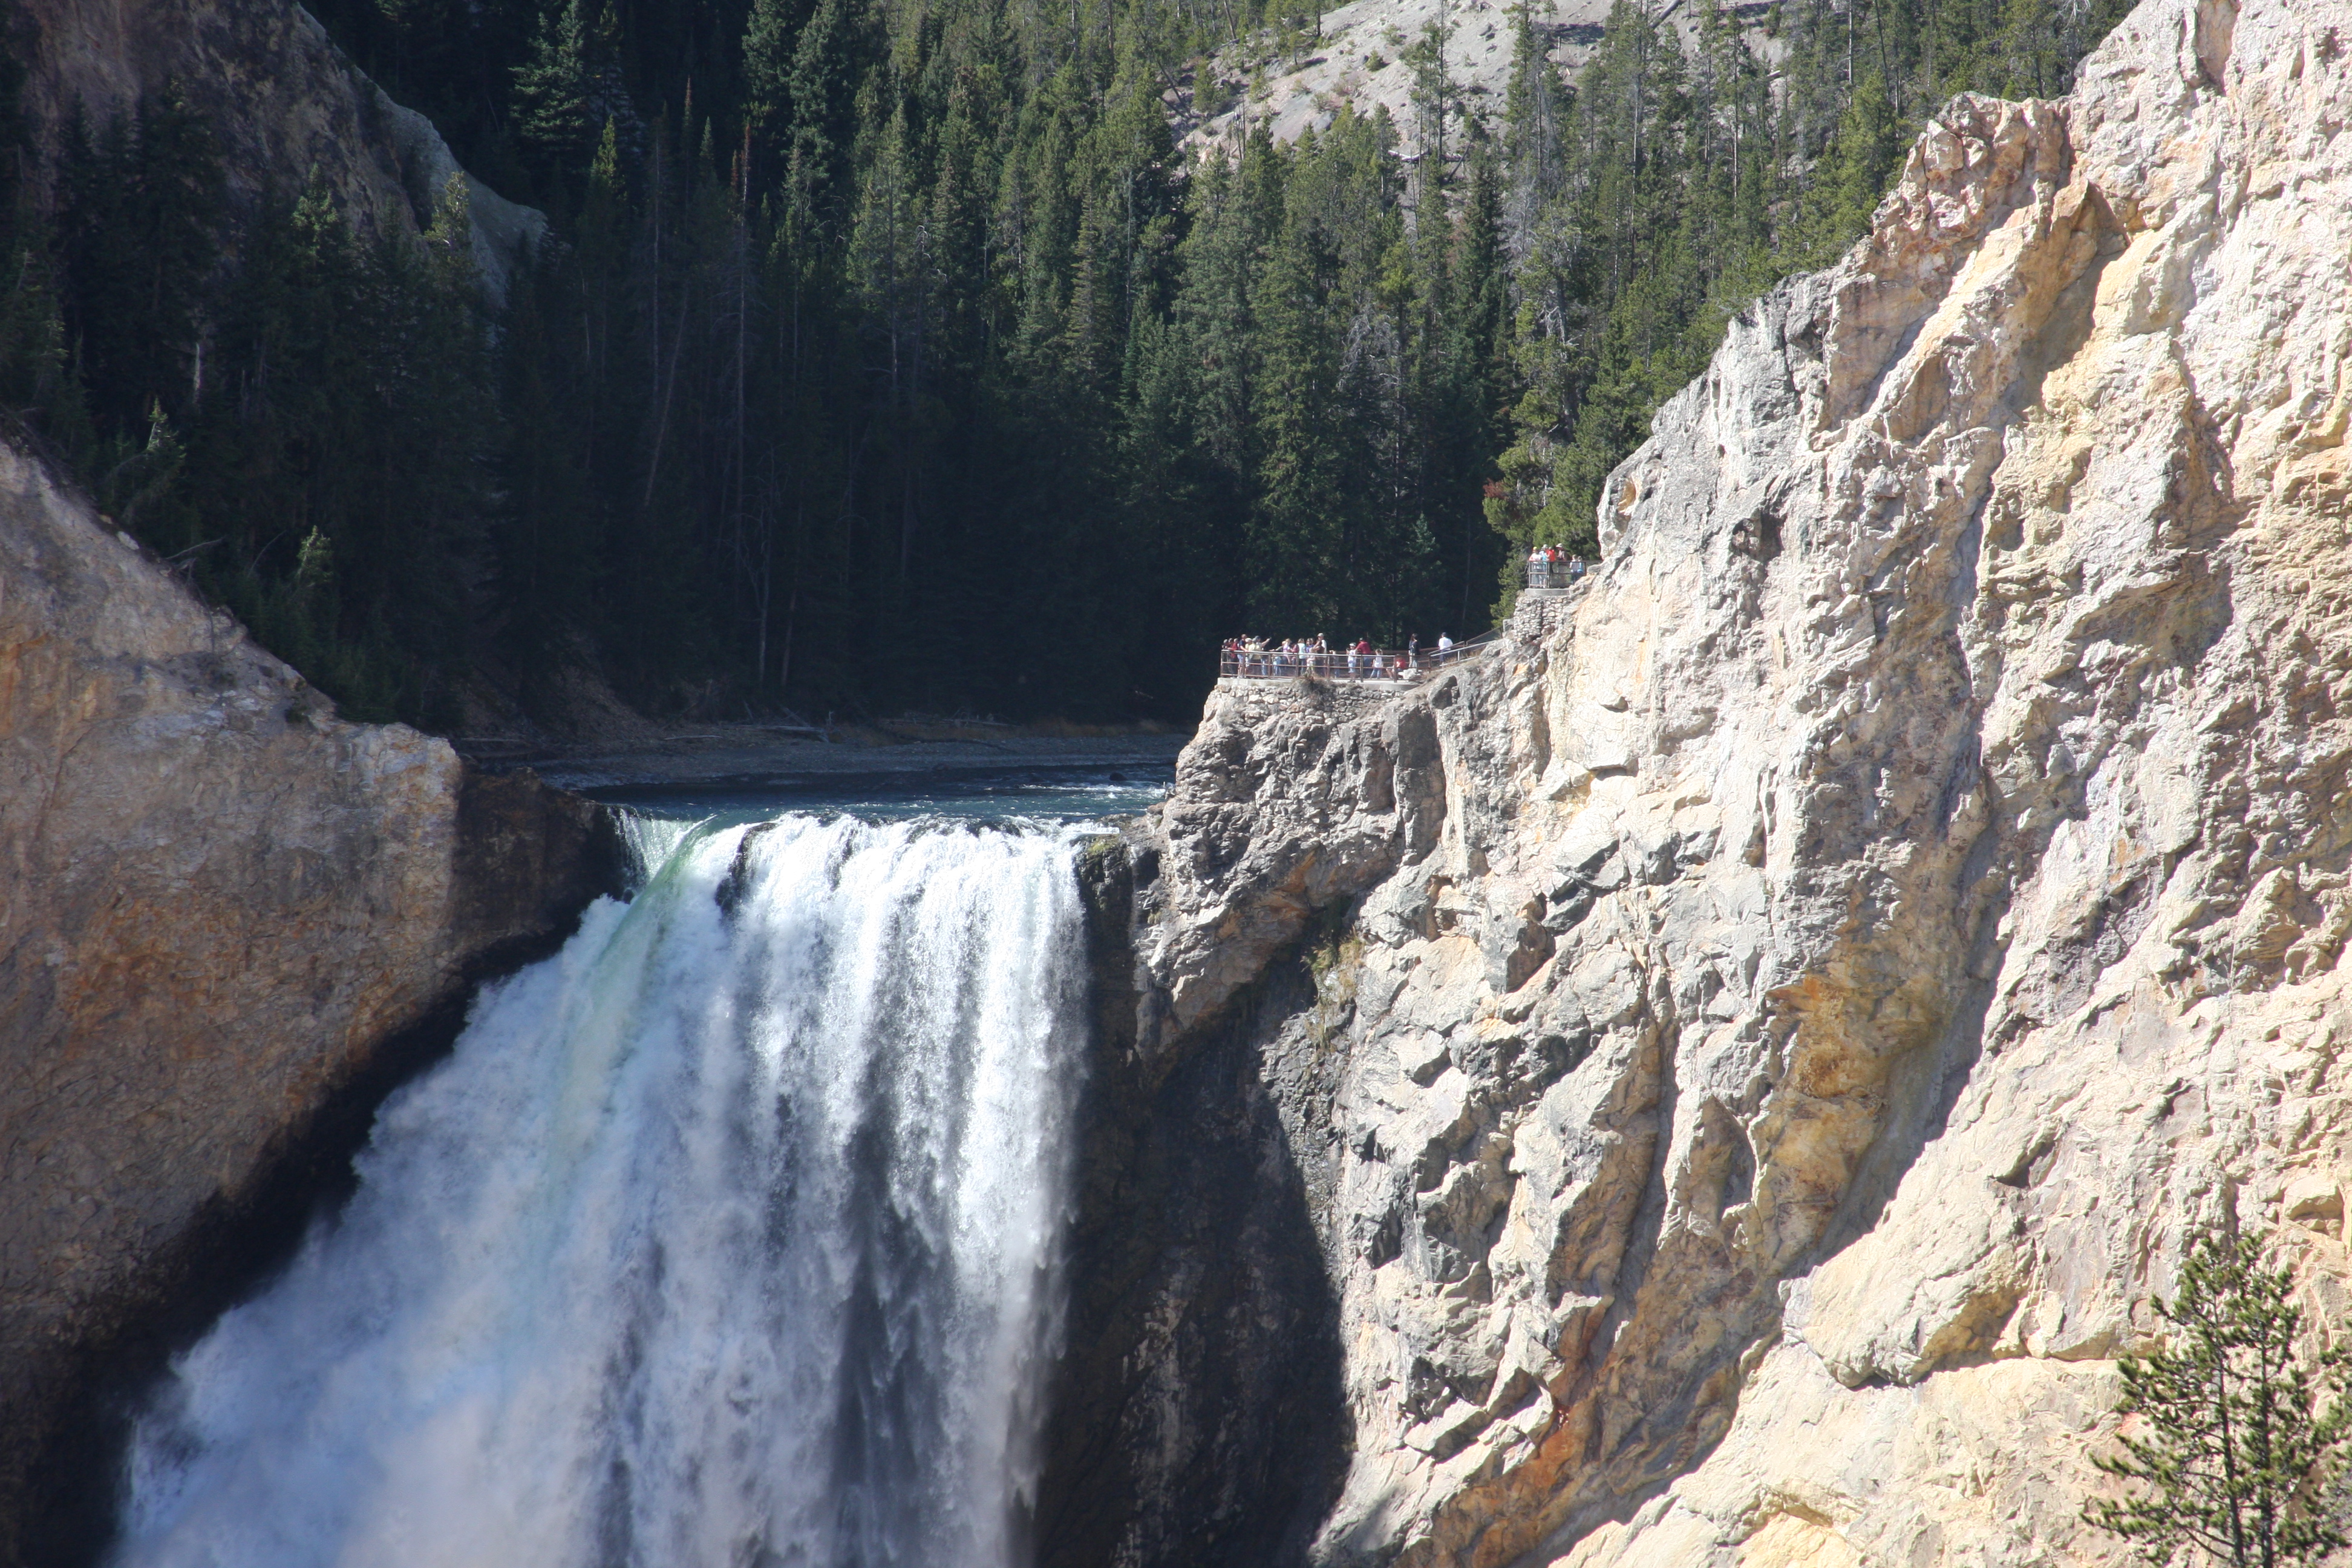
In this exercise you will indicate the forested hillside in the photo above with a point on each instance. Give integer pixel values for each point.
(886, 353)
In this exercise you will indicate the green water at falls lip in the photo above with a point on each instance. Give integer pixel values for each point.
(1041, 796)
(729, 1234)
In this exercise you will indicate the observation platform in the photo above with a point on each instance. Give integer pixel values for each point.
(1553, 579)
(1550, 589)
(1391, 668)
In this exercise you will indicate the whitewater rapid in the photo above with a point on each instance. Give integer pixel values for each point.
(725, 1238)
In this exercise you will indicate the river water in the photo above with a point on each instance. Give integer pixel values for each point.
(725, 1238)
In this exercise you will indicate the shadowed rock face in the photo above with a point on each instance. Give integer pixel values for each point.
(1199, 1417)
(287, 108)
(220, 909)
(1767, 1033)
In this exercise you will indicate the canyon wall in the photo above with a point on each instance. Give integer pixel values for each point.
(1747, 1049)
(287, 108)
(225, 915)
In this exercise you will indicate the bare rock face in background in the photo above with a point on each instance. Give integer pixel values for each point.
(288, 107)
(1762, 1042)
(218, 903)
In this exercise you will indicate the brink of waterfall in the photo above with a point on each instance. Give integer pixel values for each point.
(727, 1237)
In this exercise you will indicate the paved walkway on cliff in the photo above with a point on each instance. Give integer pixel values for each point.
(1382, 667)
(1547, 585)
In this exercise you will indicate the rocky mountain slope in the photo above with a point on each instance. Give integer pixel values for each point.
(1746, 1053)
(1355, 57)
(286, 104)
(223, 915)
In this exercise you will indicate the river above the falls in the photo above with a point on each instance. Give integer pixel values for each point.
(728, 1236)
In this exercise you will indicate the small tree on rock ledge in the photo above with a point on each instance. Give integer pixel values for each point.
(2243, 1431)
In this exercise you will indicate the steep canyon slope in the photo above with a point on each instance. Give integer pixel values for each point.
(288, 108)
(222, 911)
(1753, 1043)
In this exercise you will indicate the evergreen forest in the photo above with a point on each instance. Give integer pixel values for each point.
(888, 354)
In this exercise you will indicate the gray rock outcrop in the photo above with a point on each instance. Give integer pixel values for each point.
(1749, 1053)
(286, 104)
(219, 907)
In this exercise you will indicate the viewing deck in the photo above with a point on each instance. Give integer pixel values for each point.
(1552, 580)
(1550, 588)
(1391, 666)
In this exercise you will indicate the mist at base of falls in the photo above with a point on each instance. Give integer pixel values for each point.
(726, 1238)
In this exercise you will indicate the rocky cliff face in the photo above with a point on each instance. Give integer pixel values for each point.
(1746, 1055)
(286, 104)
(220, 906)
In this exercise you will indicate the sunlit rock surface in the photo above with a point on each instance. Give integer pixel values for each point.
(218, 903)
(1767, 1036)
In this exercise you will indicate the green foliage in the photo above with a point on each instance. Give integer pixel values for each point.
(138, 242)
(2241, 1428)
(308, 434)
(554, 90)
(1669, 186)
(32, 325)
(886, 353)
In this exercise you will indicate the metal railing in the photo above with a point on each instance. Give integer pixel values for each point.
(1554, 577)
(1241, 660)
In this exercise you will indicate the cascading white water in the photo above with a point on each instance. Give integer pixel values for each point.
(726, 1238)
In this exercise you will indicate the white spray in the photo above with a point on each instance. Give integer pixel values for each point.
(726, 1238)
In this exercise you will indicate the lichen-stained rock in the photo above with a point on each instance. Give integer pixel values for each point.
(1819, 987)
(217, 903)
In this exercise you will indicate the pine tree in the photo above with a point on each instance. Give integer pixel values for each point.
(32, 324)
(903, 328)
(1858, 164)
(769, 38)
(828, 59)
(554, 90)
(2243, 1428)
(1295, 559)
(138, 239)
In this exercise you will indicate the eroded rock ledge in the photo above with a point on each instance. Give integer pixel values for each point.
(219, 907)
(1743, 1055)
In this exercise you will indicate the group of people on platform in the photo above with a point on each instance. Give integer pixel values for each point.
(1359, 661)
(1548, 567)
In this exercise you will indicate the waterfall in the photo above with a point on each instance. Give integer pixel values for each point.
(725, 1238)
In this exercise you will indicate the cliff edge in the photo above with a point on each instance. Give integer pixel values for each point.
(219, 906)
(1747, 1053)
